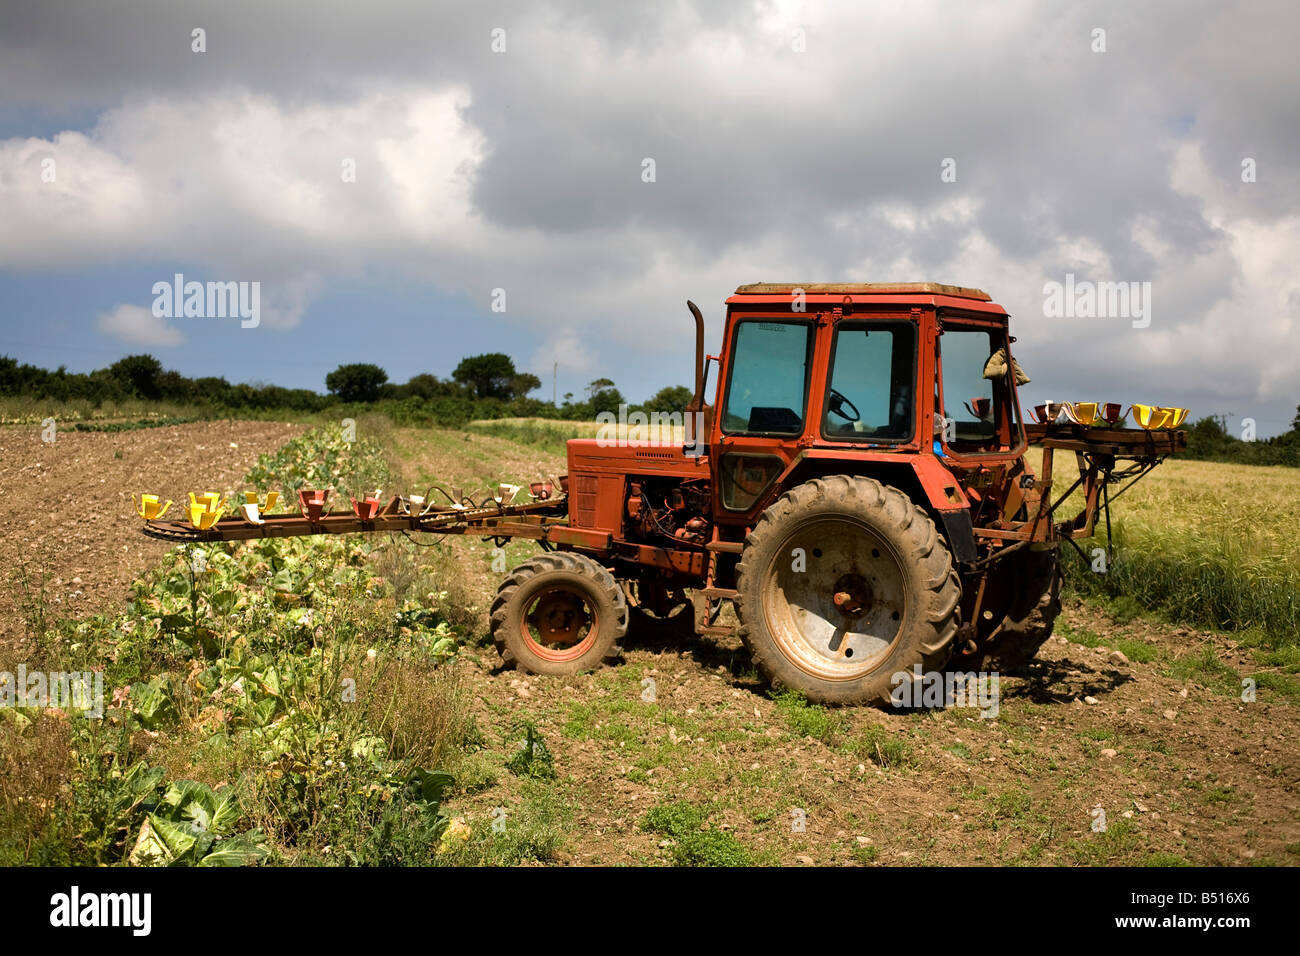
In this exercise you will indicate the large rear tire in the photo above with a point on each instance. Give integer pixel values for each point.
(843, 584)
(560, 613)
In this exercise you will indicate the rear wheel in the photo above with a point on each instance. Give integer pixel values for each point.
(560, 613)
(843, 584)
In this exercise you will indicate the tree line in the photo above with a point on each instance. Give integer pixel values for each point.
(481, 386)
(1210, 439)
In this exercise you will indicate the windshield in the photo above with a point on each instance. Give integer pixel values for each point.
(769, 379)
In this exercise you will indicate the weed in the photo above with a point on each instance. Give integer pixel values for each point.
(533, 758)
(711, 848)
(531, 831)
(695, 844)
(883, 748)
(673, 819)
(865, 853)
(1205, 667)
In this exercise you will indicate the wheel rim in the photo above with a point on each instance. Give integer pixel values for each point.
(559, 624)
(840, 616)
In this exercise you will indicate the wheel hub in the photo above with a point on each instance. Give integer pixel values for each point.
(852, 595)
(559, 618)
(838, 609)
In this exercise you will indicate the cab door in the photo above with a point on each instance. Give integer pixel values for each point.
(763, 414)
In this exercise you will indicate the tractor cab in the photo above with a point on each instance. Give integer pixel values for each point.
(845, 364)
(874, 373)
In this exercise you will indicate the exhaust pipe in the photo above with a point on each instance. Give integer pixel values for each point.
(697, 403)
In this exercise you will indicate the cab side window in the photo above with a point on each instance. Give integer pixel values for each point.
(968, 408)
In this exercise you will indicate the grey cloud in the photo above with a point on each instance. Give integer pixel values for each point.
(781, 164)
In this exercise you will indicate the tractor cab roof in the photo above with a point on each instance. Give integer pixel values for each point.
(861, 288)
(934, 294)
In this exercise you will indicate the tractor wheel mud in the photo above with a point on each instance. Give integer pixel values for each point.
(843, 584)
(1028, 622)
(559, 613)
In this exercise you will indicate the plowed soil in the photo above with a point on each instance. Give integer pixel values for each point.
(67, 523)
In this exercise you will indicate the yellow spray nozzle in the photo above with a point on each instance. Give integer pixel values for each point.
(149, 507)
(202, 518)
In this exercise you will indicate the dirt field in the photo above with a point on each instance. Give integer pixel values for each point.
(1137, 720)
(66, 513)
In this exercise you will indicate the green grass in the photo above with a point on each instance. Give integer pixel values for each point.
(1164, 859)
(1203, 543)
(1118, 844)
(711, 848)
(882, 747)
(1135, 650)
(675, 819)
(1207, 582)
(1268, 685)
(804, 719)
(549, 436)
(1098, 733)
(865, 854)
(1205, 666)
(529, 830)
(694, 842)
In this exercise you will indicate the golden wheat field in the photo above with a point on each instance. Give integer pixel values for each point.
(1251, 510)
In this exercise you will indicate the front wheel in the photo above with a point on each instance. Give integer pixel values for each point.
(560, 613)
(843, 588)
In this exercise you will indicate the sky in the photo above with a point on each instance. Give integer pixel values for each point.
(414, 182)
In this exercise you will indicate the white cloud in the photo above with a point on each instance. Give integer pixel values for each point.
(137, 325)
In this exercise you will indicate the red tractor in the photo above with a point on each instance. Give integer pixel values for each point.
(862, 497)
(859, 491)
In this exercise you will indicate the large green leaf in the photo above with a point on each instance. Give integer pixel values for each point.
(428, 785)
(149, 849)
(138, 785)
(178, 839)
(209, 811)
(223, 602)
(225, 812)
(153, 703)
(239, 850)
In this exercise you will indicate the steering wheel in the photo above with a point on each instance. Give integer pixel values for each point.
(836, 404)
